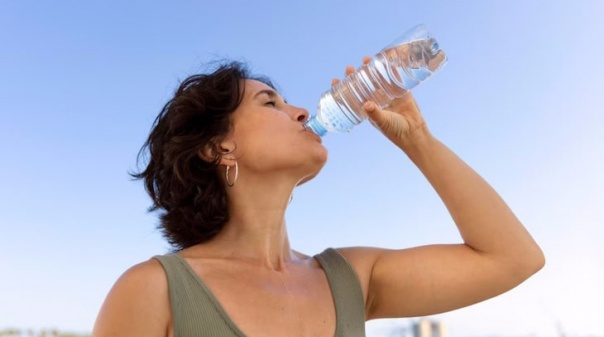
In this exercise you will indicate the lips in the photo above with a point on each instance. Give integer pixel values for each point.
(317, 137)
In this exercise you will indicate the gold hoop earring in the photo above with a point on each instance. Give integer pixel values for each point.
(226, 175)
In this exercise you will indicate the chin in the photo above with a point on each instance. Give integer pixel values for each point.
(306, 179)
(319, 164)
(319, 159)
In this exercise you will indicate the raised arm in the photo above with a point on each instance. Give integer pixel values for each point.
(497, 254)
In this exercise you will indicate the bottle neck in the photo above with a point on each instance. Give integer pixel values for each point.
(314, 125)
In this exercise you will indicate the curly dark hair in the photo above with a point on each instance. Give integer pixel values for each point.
(186, 189)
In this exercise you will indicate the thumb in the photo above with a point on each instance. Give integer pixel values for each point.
(374, 113)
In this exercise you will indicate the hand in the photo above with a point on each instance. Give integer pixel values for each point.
(401, 121)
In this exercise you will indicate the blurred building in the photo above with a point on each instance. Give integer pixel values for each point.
(428, 328)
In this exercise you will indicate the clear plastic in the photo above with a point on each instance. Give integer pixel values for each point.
(391, 73)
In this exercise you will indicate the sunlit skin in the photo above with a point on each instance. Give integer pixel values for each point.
(270, 143)
(251, 260)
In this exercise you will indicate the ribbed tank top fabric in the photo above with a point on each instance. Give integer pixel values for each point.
(197, 313)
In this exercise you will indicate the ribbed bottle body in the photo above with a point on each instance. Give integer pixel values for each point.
(390, 74)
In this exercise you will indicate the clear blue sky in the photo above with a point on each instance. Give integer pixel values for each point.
(521, 100)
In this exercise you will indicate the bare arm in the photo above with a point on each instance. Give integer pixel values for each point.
(497, 254)
(137, 305)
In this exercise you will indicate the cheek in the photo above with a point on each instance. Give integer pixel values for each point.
(261, 124)
(258, 145)
(272, 138)
(266, 132)
(273, 150)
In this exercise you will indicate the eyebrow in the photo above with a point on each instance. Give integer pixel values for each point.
(271, 94)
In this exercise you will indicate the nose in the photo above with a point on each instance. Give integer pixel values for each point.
(301, 115)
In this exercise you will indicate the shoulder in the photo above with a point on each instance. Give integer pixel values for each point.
(142, 278)
(137, 304)
(362, 261)
(149, 268)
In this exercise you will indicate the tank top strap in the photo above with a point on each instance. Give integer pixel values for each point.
(347, 293)
(195, 311)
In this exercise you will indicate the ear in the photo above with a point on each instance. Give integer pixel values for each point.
(223, 150)
(208, 153)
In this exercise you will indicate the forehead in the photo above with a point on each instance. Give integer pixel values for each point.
(252, 87)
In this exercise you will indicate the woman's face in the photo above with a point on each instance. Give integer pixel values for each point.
(269, 138)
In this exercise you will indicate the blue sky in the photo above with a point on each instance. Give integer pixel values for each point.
(521, 100)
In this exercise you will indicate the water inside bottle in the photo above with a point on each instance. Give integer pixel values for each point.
(390, 74)
(412, 63)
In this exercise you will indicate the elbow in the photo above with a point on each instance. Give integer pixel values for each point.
(539, 260)
(521, 267)
(531, 262)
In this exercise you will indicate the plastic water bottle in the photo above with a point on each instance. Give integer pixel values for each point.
(391, 73)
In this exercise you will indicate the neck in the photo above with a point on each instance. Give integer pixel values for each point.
(256, 230)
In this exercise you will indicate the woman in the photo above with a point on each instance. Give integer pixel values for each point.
(224, 157)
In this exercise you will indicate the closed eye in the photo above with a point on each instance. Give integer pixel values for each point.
(271, 103)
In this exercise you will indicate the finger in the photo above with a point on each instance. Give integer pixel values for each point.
(349, 70)
(370, 107)
(334, 81)
(375, 113)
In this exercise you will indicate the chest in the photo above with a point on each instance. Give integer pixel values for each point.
(297, 303)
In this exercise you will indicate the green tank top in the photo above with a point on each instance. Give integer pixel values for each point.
(197, 313)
